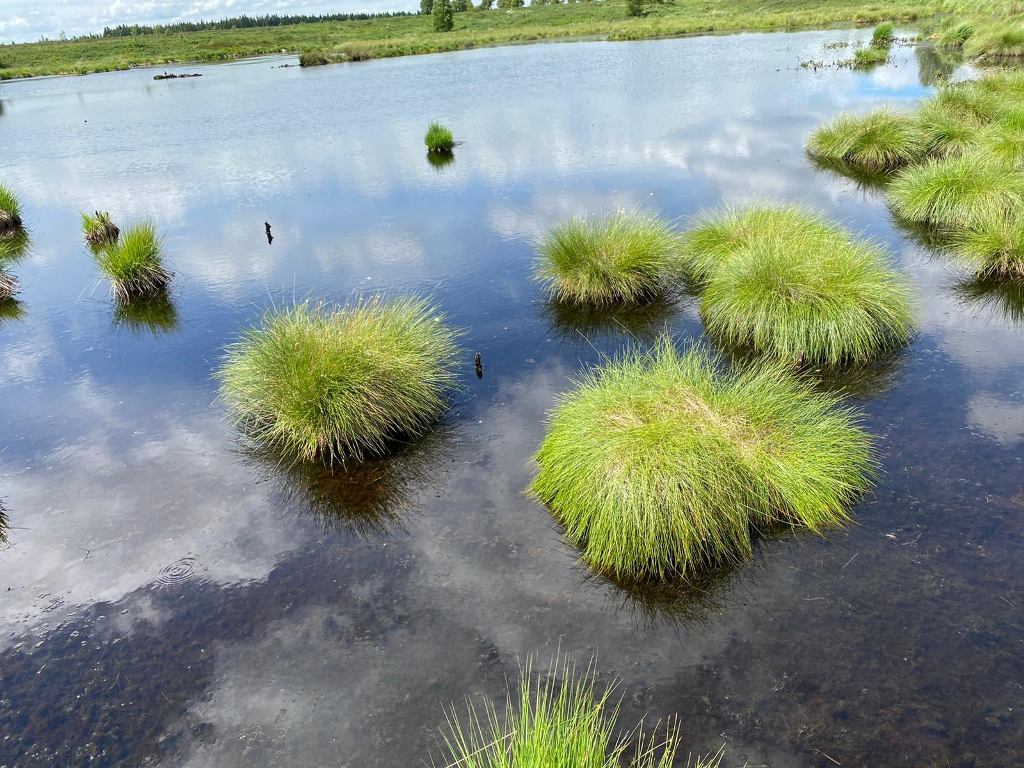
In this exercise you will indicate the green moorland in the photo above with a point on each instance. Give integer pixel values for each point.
(400, 36)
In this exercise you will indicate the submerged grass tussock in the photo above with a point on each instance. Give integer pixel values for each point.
(439, 139)
(957, 191)
(560, 720)
(10, 211)
(659, 465)
(134, 263)
(99, 230)
(878, 141)
(786, 283)
(622, 258)
(315, 384)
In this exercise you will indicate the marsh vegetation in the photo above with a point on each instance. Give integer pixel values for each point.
(318, 384)
(660, 465)
(624, 258)
(134, 263)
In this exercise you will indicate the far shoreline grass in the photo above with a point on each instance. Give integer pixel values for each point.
(412, 35)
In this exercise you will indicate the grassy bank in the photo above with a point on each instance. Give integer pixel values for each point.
(400, 36)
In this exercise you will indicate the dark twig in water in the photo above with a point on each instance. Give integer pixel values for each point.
(270, 237)
(478, 364)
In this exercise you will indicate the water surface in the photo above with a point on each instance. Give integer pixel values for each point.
(168, 598)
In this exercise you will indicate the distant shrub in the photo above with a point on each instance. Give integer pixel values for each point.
(485, 5)
(461, 6)
(426, 7)
(508, 5)
(634, 7)
(444, 21)
(313, 59)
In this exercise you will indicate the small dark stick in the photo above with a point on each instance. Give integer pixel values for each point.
(270, 237)
(478, 364)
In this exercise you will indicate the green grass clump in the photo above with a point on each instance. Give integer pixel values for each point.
(970, 102)
(10, 211)
(883, 35)
(619, 259)
(560, 720)
(878, 141)
(313, 384)
(957, 191)
(955, 35)
(99, 230)
(831, 301)
(314, 59)
(439, 139)
(658, 465)
(134, 264)
(946, 134)
(997, 42)
(870, 56)
(1004, 138)
(993, 245)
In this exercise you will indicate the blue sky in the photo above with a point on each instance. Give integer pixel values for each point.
(26, 20)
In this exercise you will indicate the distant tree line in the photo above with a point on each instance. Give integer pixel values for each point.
(241, 22)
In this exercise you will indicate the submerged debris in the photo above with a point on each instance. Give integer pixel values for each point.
(173, 76)
(270, 237)
(478, 365)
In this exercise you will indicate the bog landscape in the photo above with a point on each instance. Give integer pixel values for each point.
(647, 392)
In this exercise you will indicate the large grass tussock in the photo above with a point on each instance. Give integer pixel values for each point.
(878, 141)
(10, 211)
(315, 384)
(623, 258)
(786, 283)
(659, 465)
(439, 140)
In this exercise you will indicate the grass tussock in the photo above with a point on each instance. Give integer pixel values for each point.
(786, 283)
(870, 57)
(659, 465)
(564, 719)
(883, 35)
(134, 263)
(993, 245)
(997, 42)
(439, 140)
(313, 384)
(10, 211)
(881, 140)
(8, 285)
(619, 259)
(99, 230)
(955, 192)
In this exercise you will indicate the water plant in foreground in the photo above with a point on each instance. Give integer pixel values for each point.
(99, 229)
(957, 191)
(659, 465)
(883, 35)
(560, 720)
(10, 211)
(311, 383)
(439, 139)
(878, 141)
(622, 258)
(134, 264)
(813, 295)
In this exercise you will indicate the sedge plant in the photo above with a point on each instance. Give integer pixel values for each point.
(954, 192)
(134, 264)
(659, 465)
(993, 245)
(99, 230)
(10, 211)
(315, 384)
(563, 719)
(881, 140)
(439, 139)
(622, 258)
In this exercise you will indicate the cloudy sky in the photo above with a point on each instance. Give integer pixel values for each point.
(26, 20)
